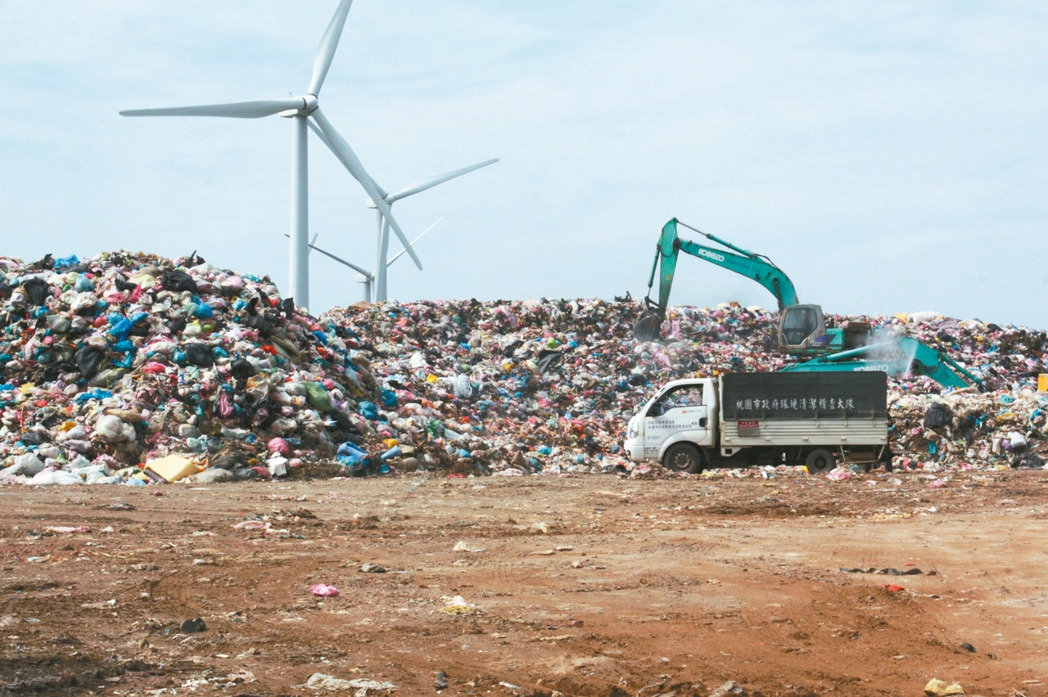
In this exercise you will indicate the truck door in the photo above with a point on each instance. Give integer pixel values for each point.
(681, 413)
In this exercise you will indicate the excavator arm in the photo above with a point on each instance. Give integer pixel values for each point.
(744, 262)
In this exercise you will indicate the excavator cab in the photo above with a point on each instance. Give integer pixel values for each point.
(802, 329)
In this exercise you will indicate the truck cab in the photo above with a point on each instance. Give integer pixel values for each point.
(682, 414)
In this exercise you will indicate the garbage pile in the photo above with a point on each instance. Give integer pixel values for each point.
(1004, 429)
(546, 386)
(113, 362)
(130, 368)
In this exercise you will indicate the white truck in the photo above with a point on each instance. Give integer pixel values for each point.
(809, 419)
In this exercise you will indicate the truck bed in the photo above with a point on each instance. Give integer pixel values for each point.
(761, 409)
(853, 432)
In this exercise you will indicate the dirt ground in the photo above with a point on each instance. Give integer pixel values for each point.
(594, 586)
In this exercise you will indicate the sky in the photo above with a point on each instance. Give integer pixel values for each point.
(888, 156)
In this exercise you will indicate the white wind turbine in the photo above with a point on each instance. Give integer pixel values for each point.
(364, 276)
(381, 263)
(304, 110)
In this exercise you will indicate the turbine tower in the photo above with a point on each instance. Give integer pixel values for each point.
(303, 110)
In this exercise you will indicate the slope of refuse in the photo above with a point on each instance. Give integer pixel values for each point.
(547, 386)
(115, 361)
(112, 364)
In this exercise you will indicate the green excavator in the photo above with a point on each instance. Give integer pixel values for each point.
(801, 330)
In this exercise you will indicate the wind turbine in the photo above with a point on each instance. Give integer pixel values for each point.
(383, 221)
(304, 110)
(363, 275)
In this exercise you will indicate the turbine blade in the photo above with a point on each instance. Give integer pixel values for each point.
(414, 241)
(328, 44)
(237, 110)
(349, 158)
(324, 139)
(366, 274)
(429, 183)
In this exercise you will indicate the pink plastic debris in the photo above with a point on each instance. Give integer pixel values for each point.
(279, 445)
(67, 528)
(323, 590)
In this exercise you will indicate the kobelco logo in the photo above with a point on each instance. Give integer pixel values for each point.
(711, 255)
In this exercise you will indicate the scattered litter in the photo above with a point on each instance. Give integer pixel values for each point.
(457, 605)
(463, 546)
(913, 571)
(323, 590)
(193, 625)
(940, 688)
(67, 528)
(322, 681)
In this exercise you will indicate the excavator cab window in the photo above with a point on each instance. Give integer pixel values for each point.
(798, 323)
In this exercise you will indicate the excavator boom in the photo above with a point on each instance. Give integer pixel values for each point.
(741, 261)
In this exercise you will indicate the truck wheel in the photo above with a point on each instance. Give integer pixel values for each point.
(683, 457)
(819, 461)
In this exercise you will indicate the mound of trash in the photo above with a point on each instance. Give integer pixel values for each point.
(131, 368)
(113, 362)
(547, 386)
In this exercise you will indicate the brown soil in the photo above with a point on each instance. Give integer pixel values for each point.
(584, 586)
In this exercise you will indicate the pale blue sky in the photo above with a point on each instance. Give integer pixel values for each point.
(889, 156)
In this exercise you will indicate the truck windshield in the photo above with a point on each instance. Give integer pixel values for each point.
(686, 396)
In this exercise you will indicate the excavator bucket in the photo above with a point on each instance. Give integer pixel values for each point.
(647, 327)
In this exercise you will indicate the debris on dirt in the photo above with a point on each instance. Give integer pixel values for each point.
(463, 546)
(193, 625)
(728, 688)
(457, 605)
(682, 573)
(940, 688)
(67, 529)
(322, 681)
(323, 590)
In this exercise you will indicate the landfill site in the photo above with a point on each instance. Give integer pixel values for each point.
(206, 490)
(212, 486)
